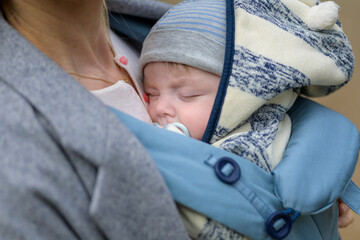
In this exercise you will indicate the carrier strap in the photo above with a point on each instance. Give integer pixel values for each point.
(351, 197)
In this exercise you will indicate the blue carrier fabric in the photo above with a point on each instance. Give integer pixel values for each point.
(297, 200)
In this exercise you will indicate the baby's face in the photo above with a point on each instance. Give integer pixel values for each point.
(179, 94)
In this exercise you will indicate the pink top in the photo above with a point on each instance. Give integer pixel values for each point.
(121, 95)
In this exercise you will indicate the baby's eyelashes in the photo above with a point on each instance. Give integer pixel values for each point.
(188, 96)
(151, 95)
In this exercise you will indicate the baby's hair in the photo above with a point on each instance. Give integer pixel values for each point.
(175, 66)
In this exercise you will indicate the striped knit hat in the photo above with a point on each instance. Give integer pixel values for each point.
(191, 33)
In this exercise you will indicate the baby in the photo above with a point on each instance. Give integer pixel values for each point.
(242, 110)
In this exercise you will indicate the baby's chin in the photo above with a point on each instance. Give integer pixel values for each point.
(199, 137)
(196, 133)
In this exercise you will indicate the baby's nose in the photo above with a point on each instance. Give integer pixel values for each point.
(164, 107)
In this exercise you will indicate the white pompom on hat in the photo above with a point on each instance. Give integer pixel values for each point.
(323, 16)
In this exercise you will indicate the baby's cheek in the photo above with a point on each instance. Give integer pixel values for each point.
(201, 120)
(197, 132)
(196, 127)
(152, 112)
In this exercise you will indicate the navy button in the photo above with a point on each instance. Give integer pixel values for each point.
(278, 225)
(227, 170)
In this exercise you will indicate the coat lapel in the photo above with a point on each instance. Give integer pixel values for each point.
(50, 90)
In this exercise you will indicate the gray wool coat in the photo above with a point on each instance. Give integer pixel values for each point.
(69, 169)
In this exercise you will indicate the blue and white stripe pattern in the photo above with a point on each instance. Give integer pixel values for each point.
(253, 144)
(206, 17)
(263, 77)
(191, 33)
(213, 230)
(329, 42)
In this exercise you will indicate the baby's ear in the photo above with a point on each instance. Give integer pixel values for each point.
(146, 97)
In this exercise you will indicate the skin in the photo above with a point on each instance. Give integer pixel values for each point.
(64, 31)
(180, 94)
(346, 215)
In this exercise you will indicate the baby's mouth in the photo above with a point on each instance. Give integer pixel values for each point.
(165, 121)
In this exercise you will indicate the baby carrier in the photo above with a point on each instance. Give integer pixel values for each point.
(297, 200)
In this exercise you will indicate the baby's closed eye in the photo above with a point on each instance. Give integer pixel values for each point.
(151, 94)
(188, 96)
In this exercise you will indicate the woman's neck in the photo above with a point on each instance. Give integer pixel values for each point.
(70, 32)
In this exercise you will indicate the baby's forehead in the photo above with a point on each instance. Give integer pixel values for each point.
(186, 69)
(156, 72)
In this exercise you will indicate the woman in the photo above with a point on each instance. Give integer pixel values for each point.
(69, 167)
